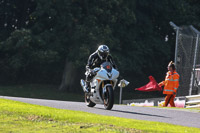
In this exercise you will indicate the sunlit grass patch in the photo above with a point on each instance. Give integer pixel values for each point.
(22, 117)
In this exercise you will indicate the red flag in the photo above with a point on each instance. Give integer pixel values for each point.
(151, 86)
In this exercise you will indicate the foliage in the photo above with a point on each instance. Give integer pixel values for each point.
(50, 33)
(22, 51)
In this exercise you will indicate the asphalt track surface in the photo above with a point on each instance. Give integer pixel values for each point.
(177, 117)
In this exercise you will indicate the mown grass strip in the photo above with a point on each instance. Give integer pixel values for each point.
(22, 117)
(40, 92)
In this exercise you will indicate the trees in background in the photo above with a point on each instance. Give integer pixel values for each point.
(40, 39)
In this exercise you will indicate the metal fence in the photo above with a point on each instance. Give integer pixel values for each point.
(192, 101)
(187, 59)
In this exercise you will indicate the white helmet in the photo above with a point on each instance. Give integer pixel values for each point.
(103, 51)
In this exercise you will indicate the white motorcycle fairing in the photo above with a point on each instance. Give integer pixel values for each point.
(102, 80)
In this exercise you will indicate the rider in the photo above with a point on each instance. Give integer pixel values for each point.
(100, 56)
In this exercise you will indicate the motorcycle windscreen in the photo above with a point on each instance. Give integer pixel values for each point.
(107, 66)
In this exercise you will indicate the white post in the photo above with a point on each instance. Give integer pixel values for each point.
(123, 83)
(120, 96)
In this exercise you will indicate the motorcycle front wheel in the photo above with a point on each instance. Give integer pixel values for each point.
(108, 98)
(88, 102)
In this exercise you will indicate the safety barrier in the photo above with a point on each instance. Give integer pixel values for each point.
(192, 101)
(179, 102)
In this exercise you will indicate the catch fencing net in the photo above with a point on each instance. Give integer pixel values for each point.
(196, 86)
(186, 47)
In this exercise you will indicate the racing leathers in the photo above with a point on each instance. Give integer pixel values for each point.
(93, 62)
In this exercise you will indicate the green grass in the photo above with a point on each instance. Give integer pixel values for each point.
(40, 91)
(22, 117)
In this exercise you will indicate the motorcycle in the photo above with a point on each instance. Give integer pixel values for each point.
(102, 86)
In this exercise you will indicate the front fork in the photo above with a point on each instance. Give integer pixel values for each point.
(104, 90)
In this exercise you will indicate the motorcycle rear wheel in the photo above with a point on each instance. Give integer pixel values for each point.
(88, 102)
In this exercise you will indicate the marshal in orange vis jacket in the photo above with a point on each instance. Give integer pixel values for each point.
(171, 84)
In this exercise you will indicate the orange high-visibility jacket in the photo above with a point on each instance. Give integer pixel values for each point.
(171, 83)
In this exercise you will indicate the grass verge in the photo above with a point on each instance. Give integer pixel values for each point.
(22, 117)
(41, 92)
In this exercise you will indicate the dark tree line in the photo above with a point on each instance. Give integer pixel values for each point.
(41, 39)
